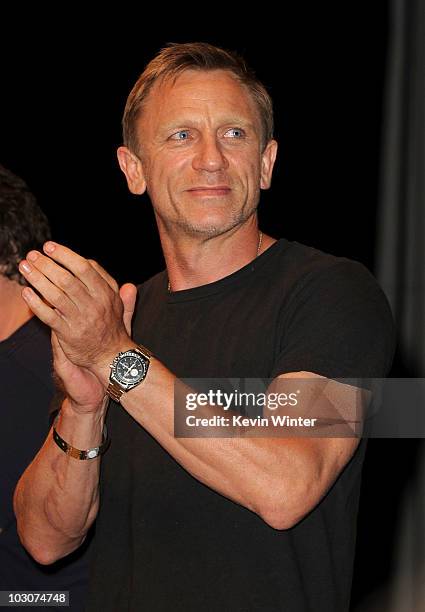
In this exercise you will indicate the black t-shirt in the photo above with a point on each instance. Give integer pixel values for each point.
(26, 393)
(166, 542)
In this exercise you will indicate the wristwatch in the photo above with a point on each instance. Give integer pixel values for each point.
(128, 370)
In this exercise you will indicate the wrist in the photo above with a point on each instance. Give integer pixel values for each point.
(128, 369)
(78, 453)
(102, 367)
(92, 412)
(81, 429)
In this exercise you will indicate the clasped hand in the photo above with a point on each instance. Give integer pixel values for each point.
(89, 316)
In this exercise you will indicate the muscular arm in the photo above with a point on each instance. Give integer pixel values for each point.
(279, 479)
(56, 499)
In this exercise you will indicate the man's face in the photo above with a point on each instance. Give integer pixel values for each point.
(201, 153)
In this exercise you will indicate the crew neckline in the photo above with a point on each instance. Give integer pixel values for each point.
(219, 285)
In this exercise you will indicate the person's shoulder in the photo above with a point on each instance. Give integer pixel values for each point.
(31, 350)
(321, 278)
(32, 336)
(336, 312)
(307, 264)
(306, 258)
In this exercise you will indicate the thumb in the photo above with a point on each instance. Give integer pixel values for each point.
(128, 295)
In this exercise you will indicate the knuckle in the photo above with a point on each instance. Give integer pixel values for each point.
(60, 300)
(67, 281)
(84, 266)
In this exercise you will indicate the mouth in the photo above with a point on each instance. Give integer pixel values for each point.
(208, 190)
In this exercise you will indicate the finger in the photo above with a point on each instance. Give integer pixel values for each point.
(50, 292)
(47, 315)
(79, 266)
(128, 294)
(59, 276)
(104, 274)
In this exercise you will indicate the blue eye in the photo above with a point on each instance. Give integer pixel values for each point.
(181, 135)
(235, 133)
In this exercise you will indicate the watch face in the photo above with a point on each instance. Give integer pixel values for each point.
(131, 369)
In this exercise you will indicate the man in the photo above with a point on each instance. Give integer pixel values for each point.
(26, 392)
(226, 523)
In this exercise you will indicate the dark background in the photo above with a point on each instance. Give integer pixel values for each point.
(63, 92)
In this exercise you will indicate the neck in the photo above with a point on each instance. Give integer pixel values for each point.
(13, 310)
(193, 261)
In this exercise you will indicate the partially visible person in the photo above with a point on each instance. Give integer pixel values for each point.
(27, 389)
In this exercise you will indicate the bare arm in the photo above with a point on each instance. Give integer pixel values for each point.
(56, 499)
(279, 479)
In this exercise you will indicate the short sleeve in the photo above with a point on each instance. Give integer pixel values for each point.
(337, 323)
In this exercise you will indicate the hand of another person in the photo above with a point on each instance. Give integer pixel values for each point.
(82, 305)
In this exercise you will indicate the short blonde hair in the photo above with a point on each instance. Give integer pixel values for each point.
(178, 57)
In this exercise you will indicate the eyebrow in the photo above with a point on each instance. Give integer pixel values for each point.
(185, 122)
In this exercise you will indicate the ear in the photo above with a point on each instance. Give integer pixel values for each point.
(132, 167)
(267, 163)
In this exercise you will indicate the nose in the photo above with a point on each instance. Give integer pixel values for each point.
(209, 155)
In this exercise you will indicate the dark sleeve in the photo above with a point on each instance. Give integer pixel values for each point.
(337, 323)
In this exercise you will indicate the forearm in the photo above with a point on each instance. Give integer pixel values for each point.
(279, 479)
(56, 499)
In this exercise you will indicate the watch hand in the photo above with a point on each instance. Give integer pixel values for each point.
(131, 367)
